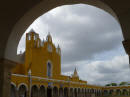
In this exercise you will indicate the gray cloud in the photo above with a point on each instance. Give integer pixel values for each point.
(85, 34)
(83, 31)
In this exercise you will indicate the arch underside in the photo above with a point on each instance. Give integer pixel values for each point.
(40, 9)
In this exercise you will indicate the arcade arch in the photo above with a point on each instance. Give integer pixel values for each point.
(55, 92)
(61, 94)
(34, 91)
(42, 91)
(49, 91)
(22, 91)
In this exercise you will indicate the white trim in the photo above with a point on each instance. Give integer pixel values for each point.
(50, 79)
(12, 83)
(20, 75)
(24, 85)
(36, 86)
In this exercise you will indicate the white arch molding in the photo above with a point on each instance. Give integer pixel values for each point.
(34, 13)
(12, 83)
(36, 86)
(24, 85)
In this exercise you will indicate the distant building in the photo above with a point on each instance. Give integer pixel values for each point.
(40, 75)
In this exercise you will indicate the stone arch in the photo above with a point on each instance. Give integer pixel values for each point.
(22, 91)
(61, 94)
(71, 92)
(95, 92)
(111, 92)
(41, 8)
(92, 91)
(24, 85)
(105, 92)
(124, 92)
(85, 92)
(88, 90)
(49, 91)
(55, 92)
(34, 91)
(118, 92)
(66, 92)
(12, 83)
(99, 92)
(13, 91)
(35, 10)
(82, 92)
(42, 91)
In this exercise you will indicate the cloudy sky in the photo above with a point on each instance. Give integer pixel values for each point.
(90, 39)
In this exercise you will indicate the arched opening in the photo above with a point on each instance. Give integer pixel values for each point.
(88, 90)
(42, 91)
(95, 92)
(55, 92)
(82, 92)
(22, 92)
(92, 91)
(51, 6)
(49, 92)
(99, 93)
(124, 92)
(105, 92)
(75, 92)
(61, 92)
(34, 91)
(79, 92)
(85, 92)
(111, 92)
(71, 92)
(49, 69)
(66, 92)
(118, 92)
(13, 91)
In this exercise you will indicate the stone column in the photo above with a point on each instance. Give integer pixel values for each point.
(126, 44)
(5, 77)
(45, 91)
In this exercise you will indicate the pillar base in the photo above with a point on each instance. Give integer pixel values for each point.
(5, 76)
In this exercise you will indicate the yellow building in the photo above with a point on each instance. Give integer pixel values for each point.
(40, 75)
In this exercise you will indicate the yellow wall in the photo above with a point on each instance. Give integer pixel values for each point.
(37, 56)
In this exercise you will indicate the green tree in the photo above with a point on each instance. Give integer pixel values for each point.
(107, 85)
(113, 84)
(123, 83)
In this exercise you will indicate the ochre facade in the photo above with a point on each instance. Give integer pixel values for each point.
(40, 75)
